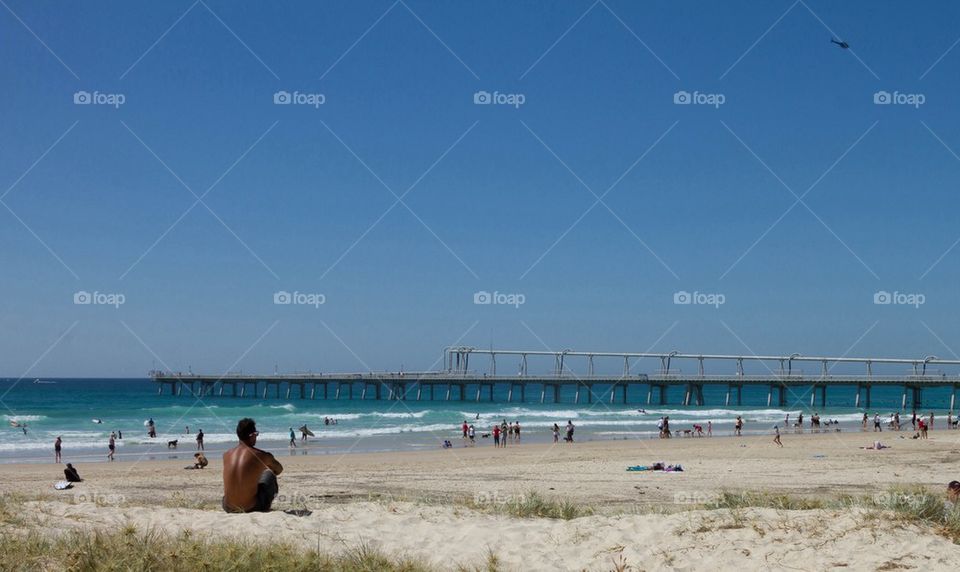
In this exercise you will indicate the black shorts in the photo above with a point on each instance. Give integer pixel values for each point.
(267, 489)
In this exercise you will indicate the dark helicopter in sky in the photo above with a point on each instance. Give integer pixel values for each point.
(840, 43)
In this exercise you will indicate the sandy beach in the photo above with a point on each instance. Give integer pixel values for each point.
(430, 504)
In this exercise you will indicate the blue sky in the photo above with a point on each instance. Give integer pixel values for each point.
(304, 198)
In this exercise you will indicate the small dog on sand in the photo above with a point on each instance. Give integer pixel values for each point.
(172, 444)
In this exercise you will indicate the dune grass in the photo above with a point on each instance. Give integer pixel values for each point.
(129, 549)
(532, 505)
(904, 505)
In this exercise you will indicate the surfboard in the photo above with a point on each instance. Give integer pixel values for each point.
(97, 421)
(303, 429)
(62, 485)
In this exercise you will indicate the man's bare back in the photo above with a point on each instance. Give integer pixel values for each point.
(247, 471)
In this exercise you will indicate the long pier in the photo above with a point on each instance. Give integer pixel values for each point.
(458, 382)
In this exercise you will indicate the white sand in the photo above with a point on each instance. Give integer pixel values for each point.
(447, 536)
(437, 528)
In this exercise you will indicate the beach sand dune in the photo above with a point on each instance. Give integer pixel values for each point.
(415, 503)
(449, 536)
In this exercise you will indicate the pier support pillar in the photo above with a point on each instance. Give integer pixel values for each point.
(523, 392)
(953, 398)
(589, 393)
(823, 396)
(769, 396)
(363, 392)
(510, 393)
(543, 392)
(856, 402)
(419, 391)
(869, 387)
(449, 388)
(903, 402)
(576, 397)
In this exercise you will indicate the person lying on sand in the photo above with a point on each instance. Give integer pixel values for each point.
(71, 474)
(877, 445)
(249, 474)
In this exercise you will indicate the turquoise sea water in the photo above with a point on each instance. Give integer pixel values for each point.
(67, 407)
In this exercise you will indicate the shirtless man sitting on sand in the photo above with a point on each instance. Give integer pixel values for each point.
(249, 474)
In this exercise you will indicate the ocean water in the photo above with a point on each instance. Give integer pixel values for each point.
(68, 408)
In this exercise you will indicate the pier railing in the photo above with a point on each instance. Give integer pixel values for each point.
(459, 381)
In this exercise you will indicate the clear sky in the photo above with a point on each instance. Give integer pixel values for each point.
(699, 197)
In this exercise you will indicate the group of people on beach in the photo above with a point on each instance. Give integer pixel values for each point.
(504, 432)
(920, 424)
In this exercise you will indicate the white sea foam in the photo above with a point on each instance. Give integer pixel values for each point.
(22, 418)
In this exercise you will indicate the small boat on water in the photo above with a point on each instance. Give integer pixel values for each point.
(43, 381)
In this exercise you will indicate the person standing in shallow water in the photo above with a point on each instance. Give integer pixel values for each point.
(249, 474)
(56, 449)
(293, 438)
(200, 440)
